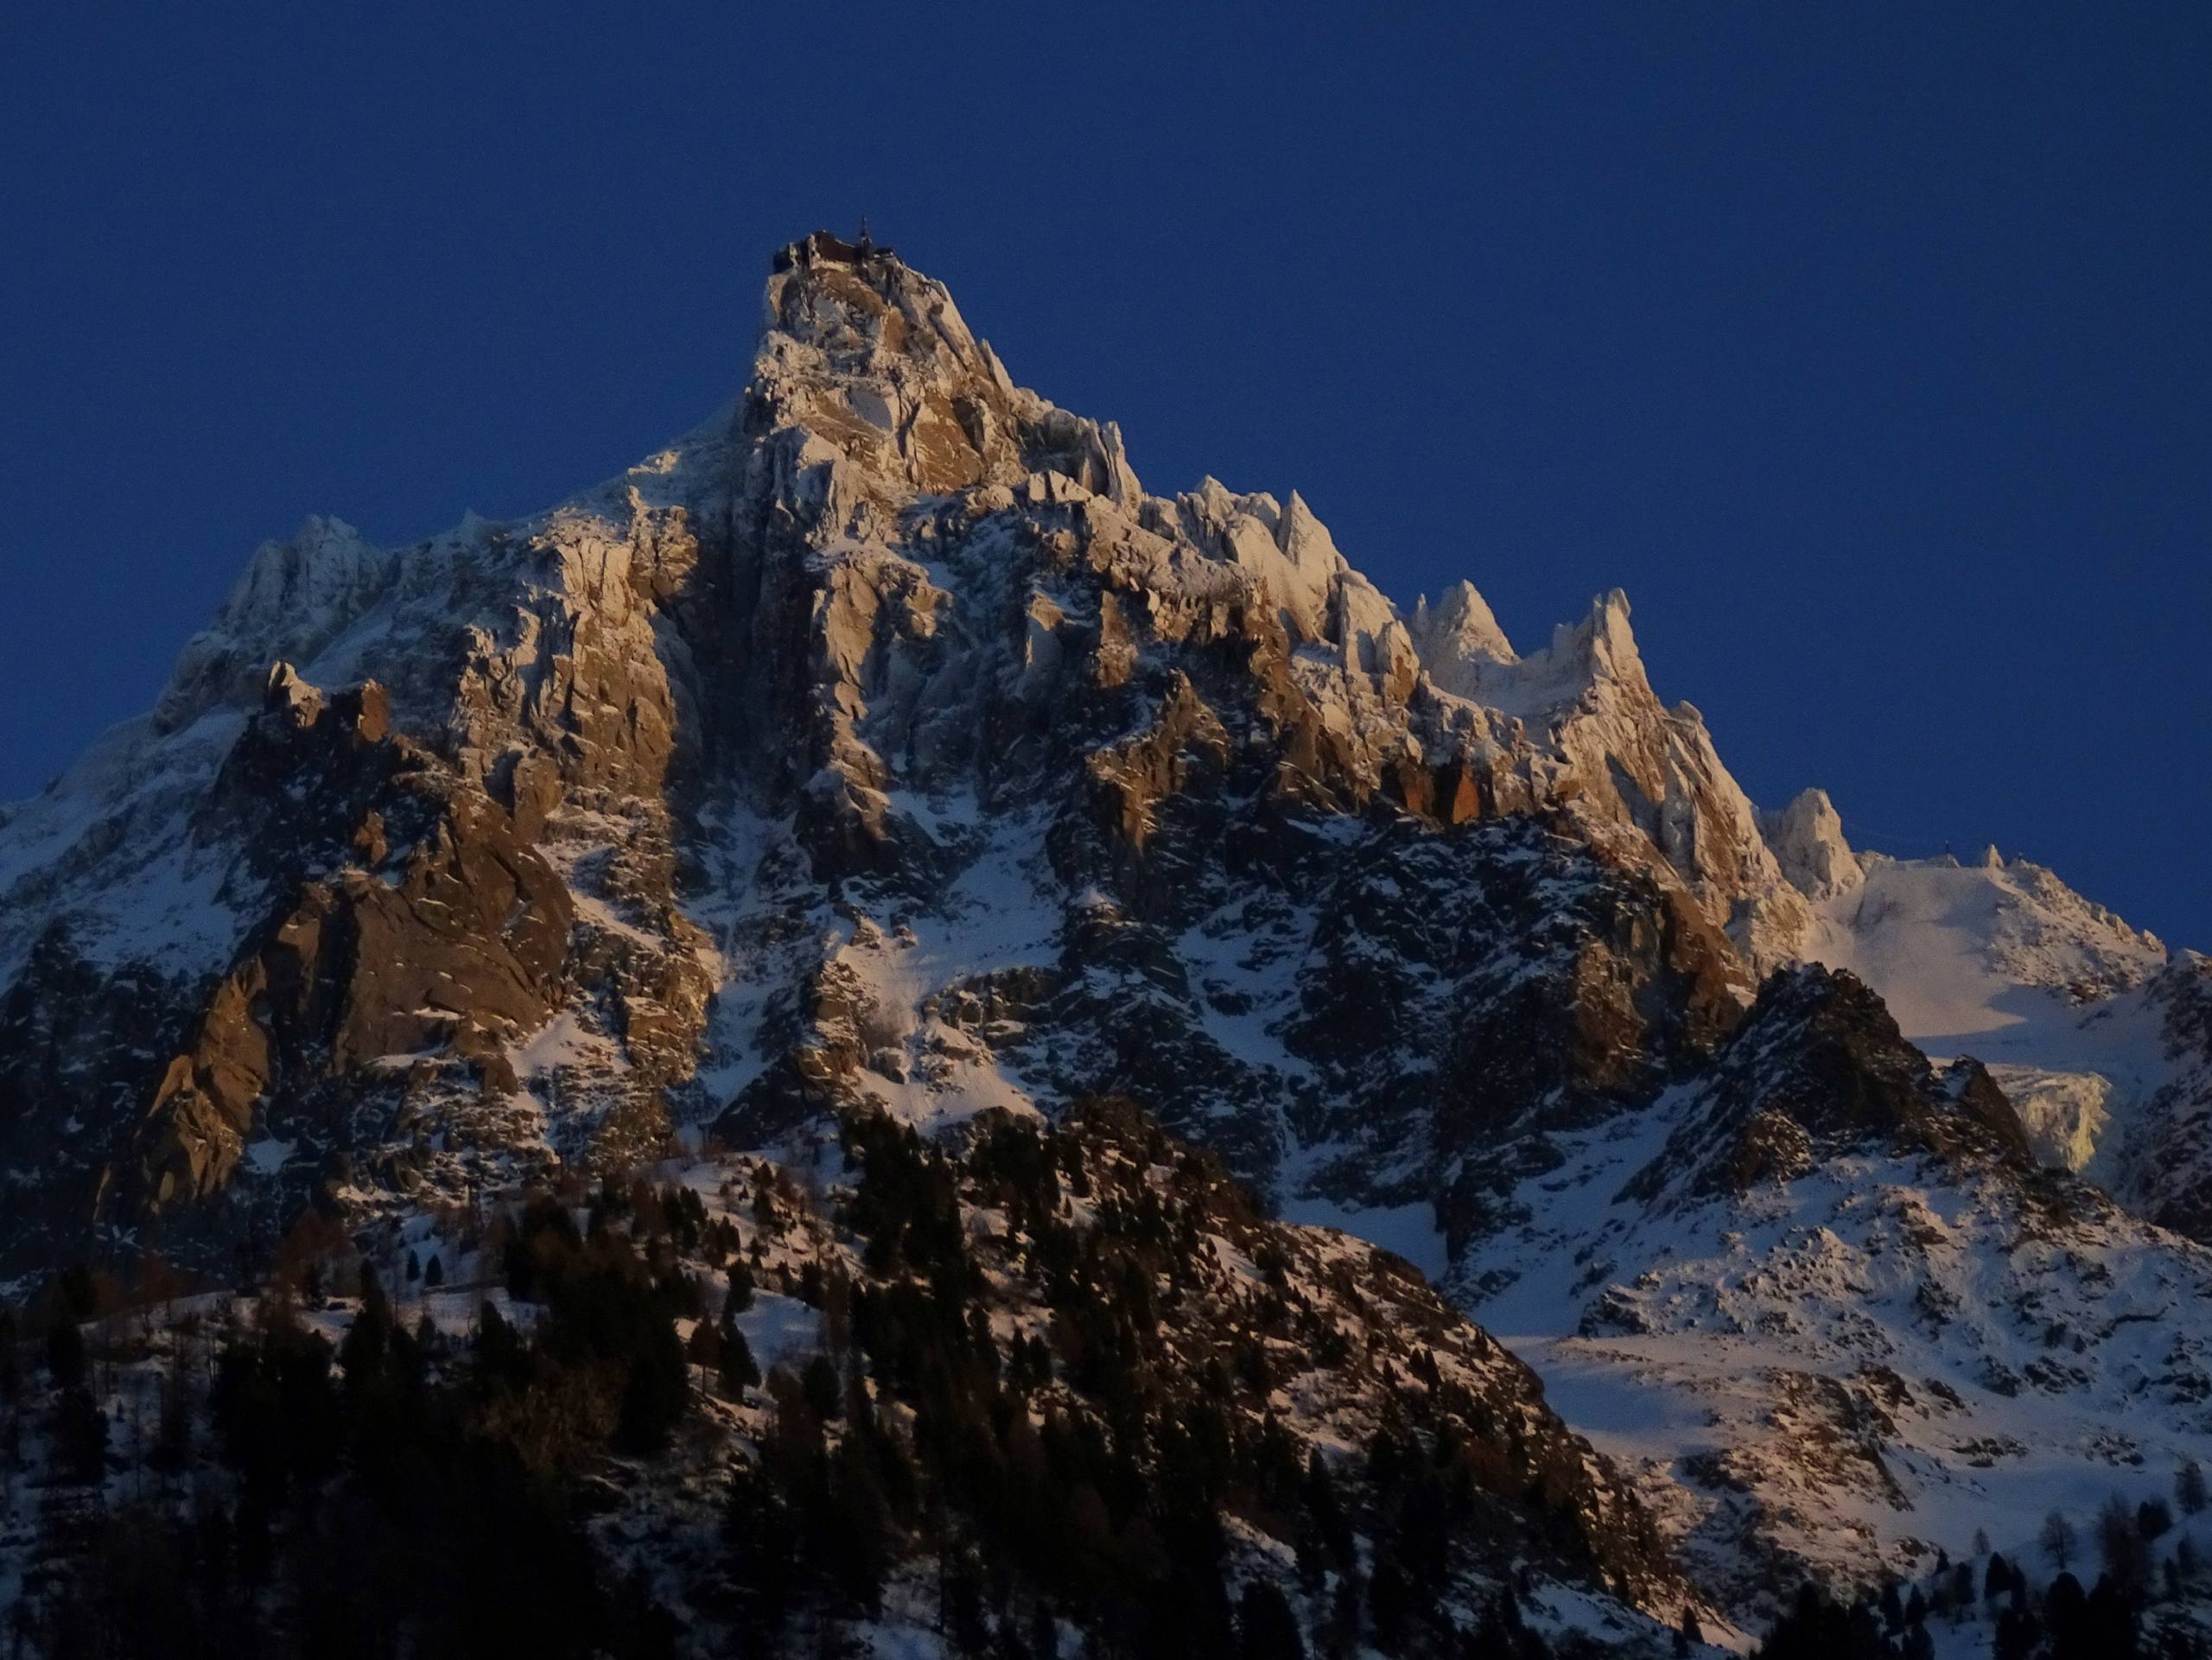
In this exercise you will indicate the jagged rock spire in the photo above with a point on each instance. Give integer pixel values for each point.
(1808, 837)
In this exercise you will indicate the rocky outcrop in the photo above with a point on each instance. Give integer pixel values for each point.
(1344, 1319)
(431, 935)
(2166, 1169)
(1809, 843)
(884, 741)
(1817, 1069)
(292, 600)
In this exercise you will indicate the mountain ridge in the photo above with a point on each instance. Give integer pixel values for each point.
(883, 747)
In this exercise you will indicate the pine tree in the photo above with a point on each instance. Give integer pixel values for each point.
(64, 1352)
(2188, 1488)
(172, 1440)
(705, 1346)
(2058, 1540)
(1388, 1607)
(1689, 1634)
(1962, 1586)
(2152, 1519)
(2122, 1544)
(823, 1393)
(757, 1524)
(854, 1533)
(1892, 1607)
(740, 1372)
(81, 1436)
(2017, 1634)
(1265, 1628)
(658, 1388)
(960, 1603)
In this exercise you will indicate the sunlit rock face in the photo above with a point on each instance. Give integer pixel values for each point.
(885, 743)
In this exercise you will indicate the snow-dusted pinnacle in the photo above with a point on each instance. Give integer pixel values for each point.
(1602, 643)
(1466, 653)
(866, 363)
(1808, 839)
(1457, 636)
(292, 599)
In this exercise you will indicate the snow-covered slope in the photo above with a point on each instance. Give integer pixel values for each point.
(1848, 1339)
(2083, 1020)
(1958, 950)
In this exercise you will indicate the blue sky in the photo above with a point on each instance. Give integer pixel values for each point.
(1869, 349)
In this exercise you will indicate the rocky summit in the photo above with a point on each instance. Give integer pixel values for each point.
(1104, 1011)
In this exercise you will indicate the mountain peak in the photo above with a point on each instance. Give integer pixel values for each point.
(847, 297)
(1808, 838)
(1603, 643)
(1457, 636)
(881, 748)
(294, 595)
(864, 358)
